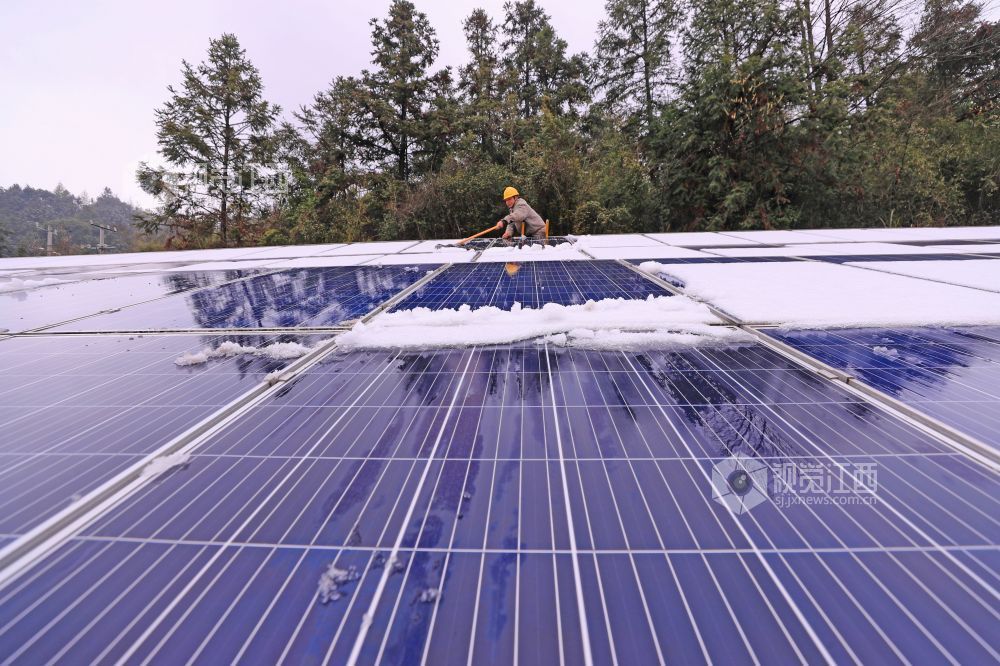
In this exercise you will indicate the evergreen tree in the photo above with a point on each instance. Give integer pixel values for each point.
(396, 95)
(729, 142)
(542, 72)
(633, 54)
(484, 84)
(218, 131)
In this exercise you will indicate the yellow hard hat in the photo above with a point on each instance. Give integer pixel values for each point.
(510, 192)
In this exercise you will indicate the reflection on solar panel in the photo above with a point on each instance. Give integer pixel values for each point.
(305, 297)
(76, 411)
(532, 284)
(32, 308)
(951, 374)
(487, 505)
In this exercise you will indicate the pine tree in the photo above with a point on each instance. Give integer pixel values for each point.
(633, 54)
(217, 131)
(483, 83)
(542, 72)
(395, 94)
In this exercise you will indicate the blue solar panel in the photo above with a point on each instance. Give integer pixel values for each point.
(531, 284)
(76, 411)
(540, 502)
(293, 298)
(43, 306)
(951, 374)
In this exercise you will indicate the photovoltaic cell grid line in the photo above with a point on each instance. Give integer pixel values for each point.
(286, 299)
(532, 284)
(951, 374)
(76, 411)
(270, 545)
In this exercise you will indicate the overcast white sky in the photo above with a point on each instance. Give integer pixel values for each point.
(81, 78)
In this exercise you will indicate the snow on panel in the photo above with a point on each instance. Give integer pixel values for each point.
(909, 234)
(699, 239)
(658, 252)
(965, 248)
(979, 273)
(965, 233)
(432, 245)
(819, 295)
(223, 266)
(124, 259)
(290, 251)
(382, 247)
(606, 324)
(826, 249)
(615, 240)
(323, 262)
(561, 252)
(403, 259)
(776, 236)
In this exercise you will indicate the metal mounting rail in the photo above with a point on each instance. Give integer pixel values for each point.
(304, 330)
(967, 444)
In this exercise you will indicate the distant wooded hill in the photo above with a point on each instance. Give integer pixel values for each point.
(22, 208)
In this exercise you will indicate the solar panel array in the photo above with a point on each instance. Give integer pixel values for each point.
(521, 503)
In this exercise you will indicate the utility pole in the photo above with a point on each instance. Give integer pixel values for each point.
(50, 234)
(101, 245)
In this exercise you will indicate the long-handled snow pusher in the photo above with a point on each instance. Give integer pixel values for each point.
(466, 240)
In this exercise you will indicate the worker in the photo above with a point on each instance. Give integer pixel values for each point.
(522, 217)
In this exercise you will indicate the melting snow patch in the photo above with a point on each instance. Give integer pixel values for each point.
(429, 596)
(331, 580)
(228, 348)
(16, 284)
(188, 358)
(885, 351)
(607, 324)
(164, 463)
(279, 351)
(284, 350)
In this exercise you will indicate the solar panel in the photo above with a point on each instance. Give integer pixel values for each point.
(951, 374)
(532, 284)
(292, 298)
(79, 410)
(31, 308)
(489, 504)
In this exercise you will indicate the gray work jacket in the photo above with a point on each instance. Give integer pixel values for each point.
(534, 225)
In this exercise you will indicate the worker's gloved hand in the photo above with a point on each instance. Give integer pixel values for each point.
(500, 224)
